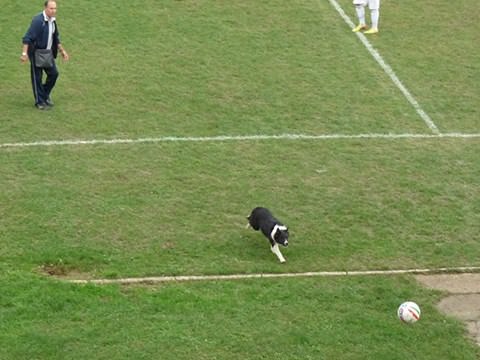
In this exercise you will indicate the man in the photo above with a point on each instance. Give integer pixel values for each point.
(374, 6)
(43, 34)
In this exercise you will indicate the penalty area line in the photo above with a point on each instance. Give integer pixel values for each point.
(225, 138)
(183, 278)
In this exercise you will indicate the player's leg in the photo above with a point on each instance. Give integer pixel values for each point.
(374, 6)
(360, 10)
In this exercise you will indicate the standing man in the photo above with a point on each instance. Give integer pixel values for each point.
(43, 34)
(374, 6)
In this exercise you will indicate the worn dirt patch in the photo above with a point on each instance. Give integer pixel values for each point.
(463, 301)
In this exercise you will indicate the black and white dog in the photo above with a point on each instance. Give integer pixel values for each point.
(262, 219)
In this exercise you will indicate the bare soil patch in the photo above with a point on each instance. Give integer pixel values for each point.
(463, 300)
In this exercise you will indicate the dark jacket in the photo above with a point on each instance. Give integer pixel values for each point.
(37, 35)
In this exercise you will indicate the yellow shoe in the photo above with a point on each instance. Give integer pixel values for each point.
(360, 27)
(371, 31)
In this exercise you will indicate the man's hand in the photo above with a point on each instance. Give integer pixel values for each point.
(65, 55)
(24, 57)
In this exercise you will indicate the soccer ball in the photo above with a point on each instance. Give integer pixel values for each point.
(409, 312)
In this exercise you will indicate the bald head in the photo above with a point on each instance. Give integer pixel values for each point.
(50, 8)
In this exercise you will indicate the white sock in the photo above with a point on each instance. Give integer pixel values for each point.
(374, 15)
(360, 14)
(277, 252)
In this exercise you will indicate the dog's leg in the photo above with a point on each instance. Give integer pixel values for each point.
(276, 250)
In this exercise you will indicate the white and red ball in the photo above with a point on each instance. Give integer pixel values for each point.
(409, 312)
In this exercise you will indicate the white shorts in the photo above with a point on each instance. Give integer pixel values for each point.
(372, 4)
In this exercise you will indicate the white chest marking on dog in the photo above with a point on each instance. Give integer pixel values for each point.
(277, 252)
(275, 229)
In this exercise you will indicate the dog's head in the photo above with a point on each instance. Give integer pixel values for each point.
(281, 235)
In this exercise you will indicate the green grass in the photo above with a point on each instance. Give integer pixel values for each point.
(440, 69)
(345, 318)
(168, 209)
(207, 68)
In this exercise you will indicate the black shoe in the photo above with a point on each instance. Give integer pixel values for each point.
(49, 102)
(41, 106)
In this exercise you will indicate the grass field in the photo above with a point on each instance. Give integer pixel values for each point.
(177, 118)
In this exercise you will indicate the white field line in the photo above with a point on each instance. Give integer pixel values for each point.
(388, 70)
(77, 142)
(163, 279)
